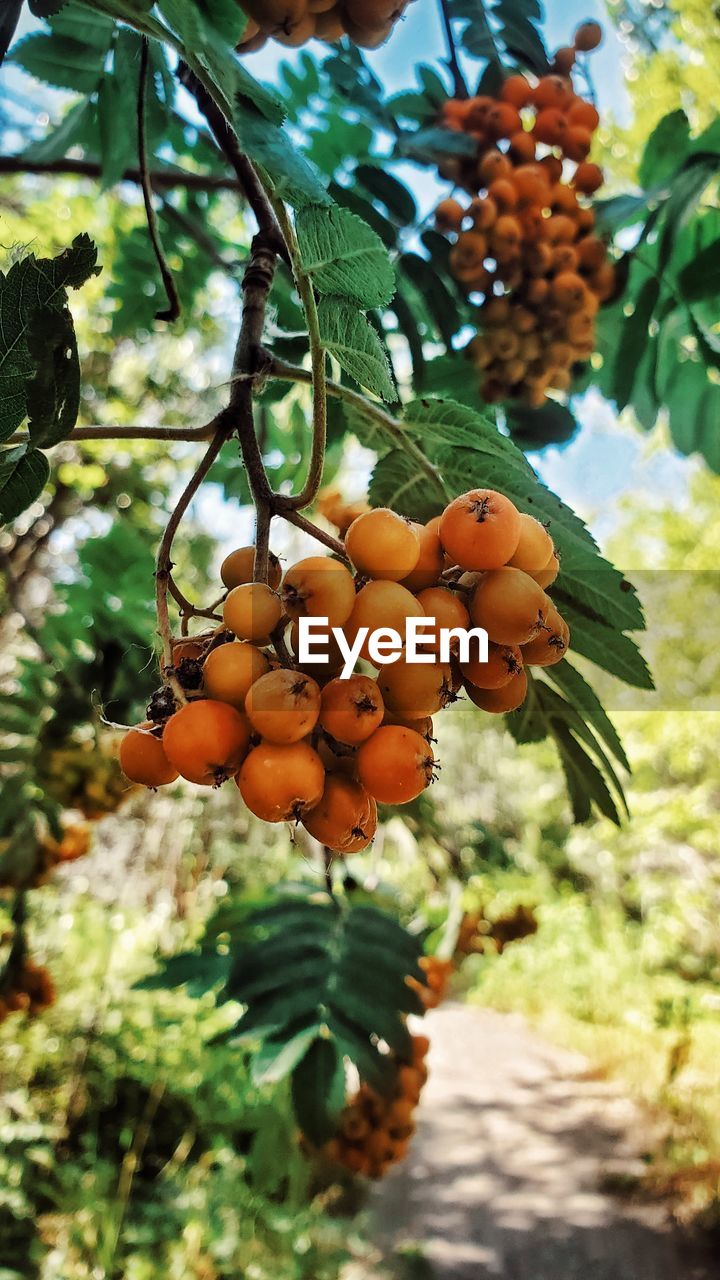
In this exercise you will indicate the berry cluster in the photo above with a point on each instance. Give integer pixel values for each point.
(368, 23)
(307, 744)
(433, 989)
(525, 241)
(374, 1132)
(29, 989)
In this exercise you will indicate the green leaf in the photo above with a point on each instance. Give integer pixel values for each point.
(386, 188)
(570, 682)
(397, 482)
(665, 149)
(117, 99)
(277, 1058)
(531, 429)
(293, 178)
(318, 1091)
(602, 644)
(348, 336)
(23, 475)
(35, 327)
(76, 127)
(61, 62)
(344, 256)
(433, 146)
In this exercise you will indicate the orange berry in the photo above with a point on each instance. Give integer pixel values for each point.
(564, 259)
(603, 281)
(480, 529)
(467, 256)
(319, 587)
(502, 192)
(551, 126)
(381, 605)
(476, 113)
(395, 764)
(449, 215)
(552, 91)
(531, 185)
(535, 546)
(588, 178)
(564, 59)
(483, 212)
(551, 644)
(591, 253)
(352, 709)
(504, 662)
(414, 691)
(568, 291)
(237, 568)
(500, 701)
(431, 560)
(510, 605)
(230, 670)
(577, 142)
(445, 606)
(522, 147)
(502, 120)
(345, 818)
(206, 741)
(494, 164)
(283, 706)
(560, 229)
(517, 91)
(380, 543)
(588, 36)
(252, 611)
(585, 114)
(549, 572)
(143, 759)
(281, 783)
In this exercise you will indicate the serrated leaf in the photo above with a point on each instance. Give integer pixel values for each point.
(60, 62)
(33, 303)
(571, 683)
(344, 256)
(118, 147)
(23, 475)
(386, 188)
(293, 178)
(53, 392)
(603, 645)
(318, 1091)
(397, 482)
(348, 336)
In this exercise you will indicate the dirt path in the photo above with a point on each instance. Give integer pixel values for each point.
(505, 1179)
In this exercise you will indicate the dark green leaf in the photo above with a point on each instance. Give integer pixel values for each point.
(318, 1091)
(23, 476)
(344, 257)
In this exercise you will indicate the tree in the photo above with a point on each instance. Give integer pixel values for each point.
(352, 317)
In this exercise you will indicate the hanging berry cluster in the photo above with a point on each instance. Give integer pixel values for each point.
(525, 240)
(25, 988)
(307, 744)
(374, 1131)
(368, 23)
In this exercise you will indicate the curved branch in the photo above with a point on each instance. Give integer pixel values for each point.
(307, 526)
(459, 85)
(317, 361)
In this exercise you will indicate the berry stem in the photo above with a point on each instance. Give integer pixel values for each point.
(163, 568)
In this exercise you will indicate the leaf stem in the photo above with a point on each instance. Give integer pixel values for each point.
(393, 429)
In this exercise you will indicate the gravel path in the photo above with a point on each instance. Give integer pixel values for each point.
(505, 1179)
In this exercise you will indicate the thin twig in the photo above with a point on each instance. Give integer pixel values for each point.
(459, 83)
(164, 563)
(307, 526)
(317, 360)
(187, 608)
(172, 311)
(189, 434)
(160, 179)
